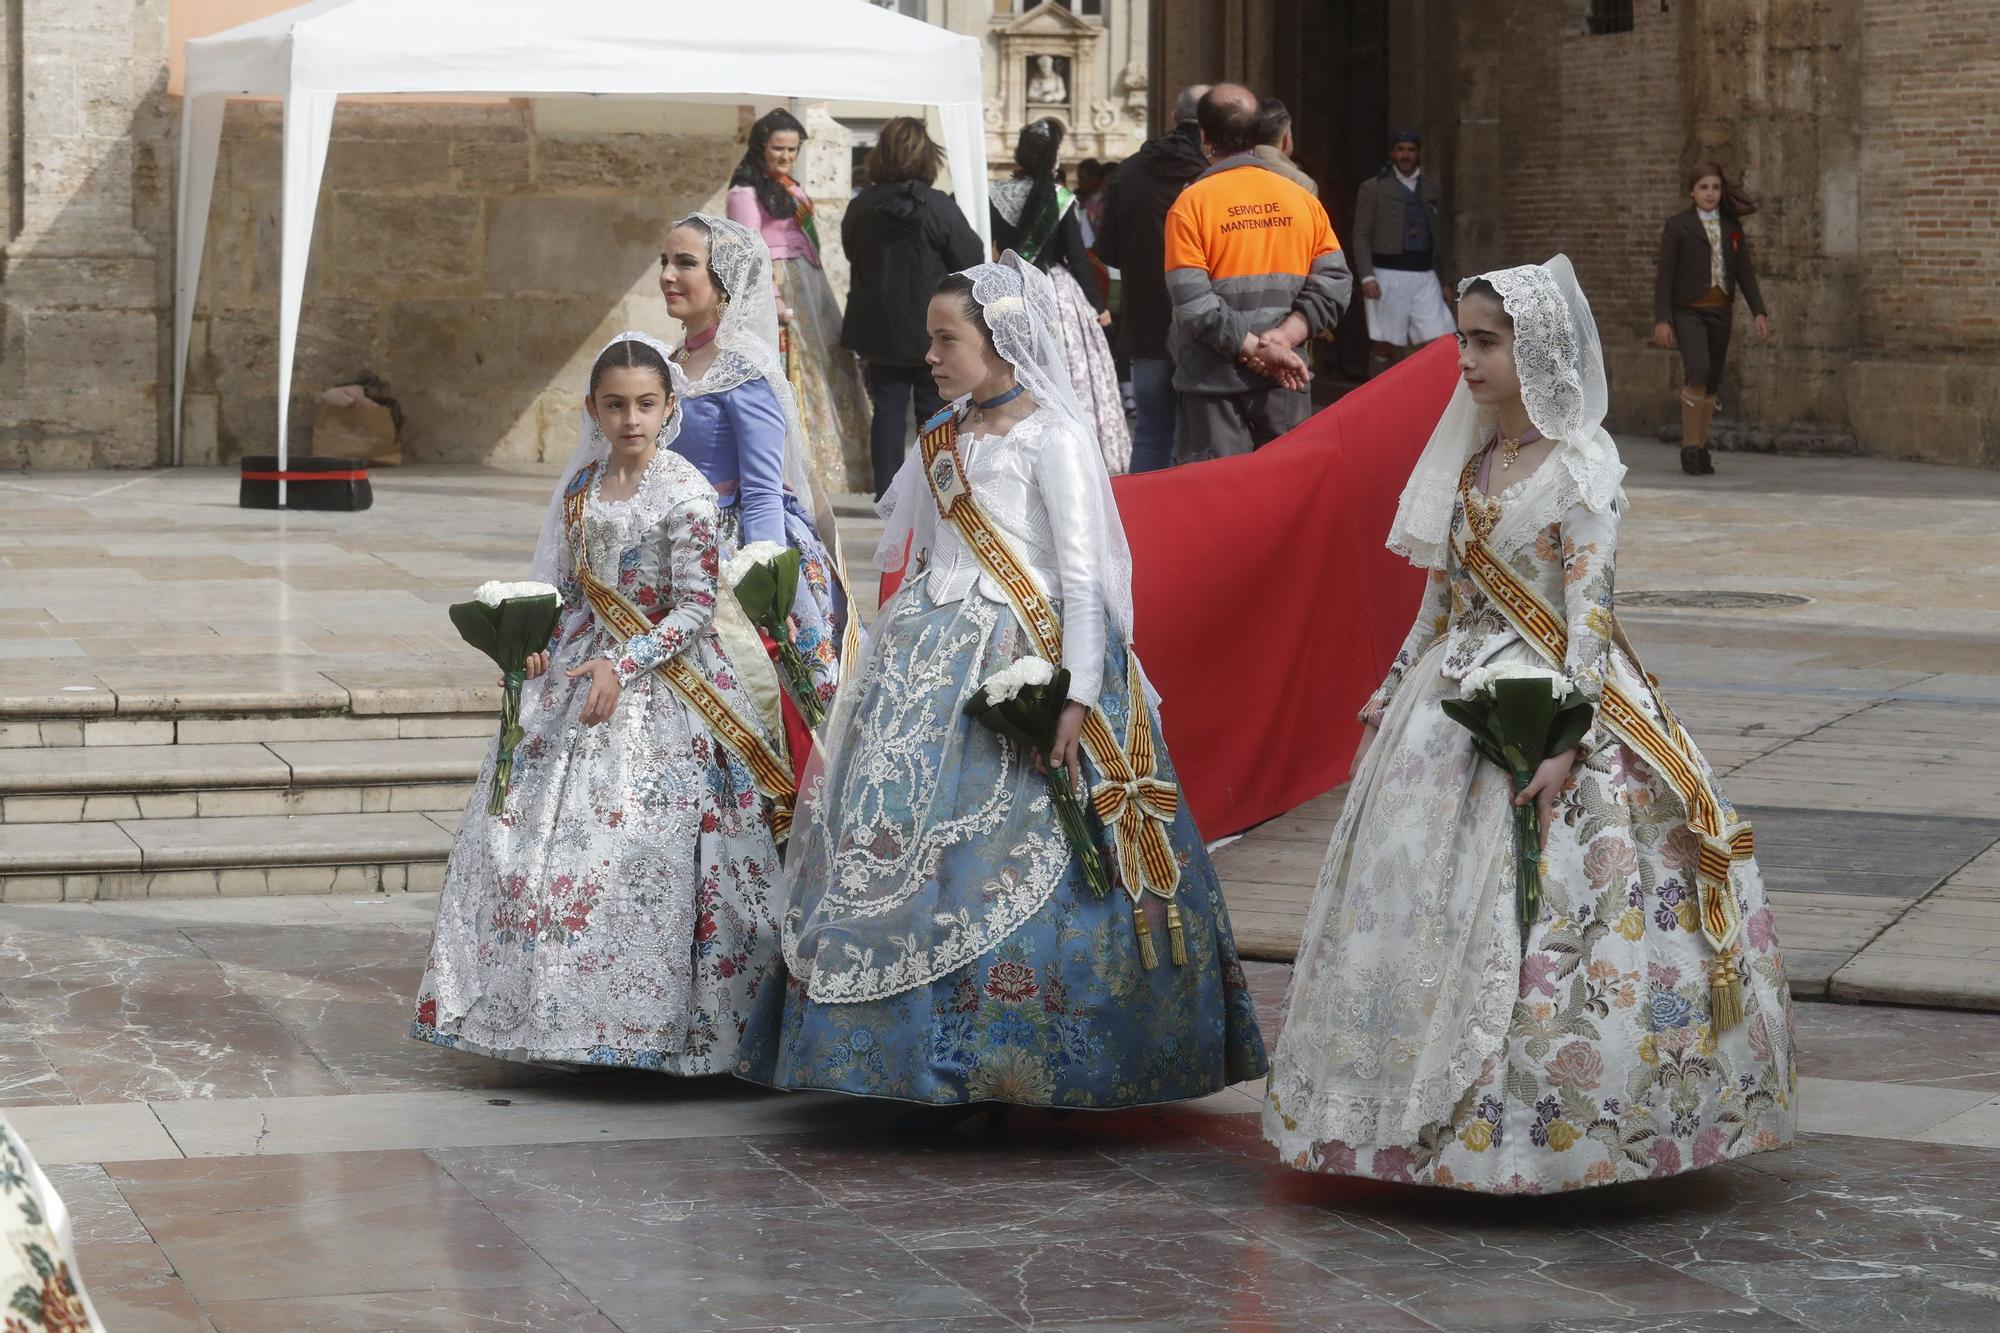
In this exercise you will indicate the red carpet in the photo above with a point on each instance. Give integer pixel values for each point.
(1267, 607)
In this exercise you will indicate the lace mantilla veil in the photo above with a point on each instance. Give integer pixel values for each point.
(1019, 305)
(746, 342)
(1560, 362)
(550, 562)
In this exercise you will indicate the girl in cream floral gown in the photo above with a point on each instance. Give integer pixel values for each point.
(1427, 1038)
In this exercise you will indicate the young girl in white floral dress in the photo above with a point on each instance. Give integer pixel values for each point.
(1641, 1025)
(621, 909)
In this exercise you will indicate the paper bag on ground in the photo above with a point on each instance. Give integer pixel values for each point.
(350, 424)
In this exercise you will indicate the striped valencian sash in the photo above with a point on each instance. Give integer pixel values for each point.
(1136, 804)
(768, 769)
(1663, 742)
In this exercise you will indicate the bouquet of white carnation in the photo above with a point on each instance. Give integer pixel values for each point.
(1520, 714)
(1024, 703)
(765, 578)
(509, 622)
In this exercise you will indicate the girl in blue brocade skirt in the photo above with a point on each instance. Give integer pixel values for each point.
(943, 943)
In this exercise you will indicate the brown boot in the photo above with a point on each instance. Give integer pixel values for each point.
(1694, 435)
(1707, 416)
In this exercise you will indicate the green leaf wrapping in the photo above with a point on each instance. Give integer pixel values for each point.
(1030, 719)
(786, 570)
(766, 594)
(525, 626)
(1517, 724)
(479, 625)
(509, 634)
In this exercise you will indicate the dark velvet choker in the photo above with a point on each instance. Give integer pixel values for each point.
(1000, 400)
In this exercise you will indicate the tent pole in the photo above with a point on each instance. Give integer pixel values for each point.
(201, 137)
(308, 126)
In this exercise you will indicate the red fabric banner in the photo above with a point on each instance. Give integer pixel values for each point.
(1267, 607)
(305, 476)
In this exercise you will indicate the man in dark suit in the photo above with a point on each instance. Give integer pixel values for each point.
(1132, 239)
(1704, 261)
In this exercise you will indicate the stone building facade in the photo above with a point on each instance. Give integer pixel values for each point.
(1868, 131)
(472, 254)
(1084, 62)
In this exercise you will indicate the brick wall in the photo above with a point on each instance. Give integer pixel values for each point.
(1571, 143)
(1926, 383)
(1930, 118)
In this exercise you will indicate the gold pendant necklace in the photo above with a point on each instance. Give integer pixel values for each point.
(1510, 448)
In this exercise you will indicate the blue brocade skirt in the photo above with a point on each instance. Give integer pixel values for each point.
(1052, 1005)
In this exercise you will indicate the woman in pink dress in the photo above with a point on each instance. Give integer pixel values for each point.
(826, 379)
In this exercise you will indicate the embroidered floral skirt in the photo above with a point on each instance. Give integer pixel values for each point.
(1013, 983)
(38, 1249)
(1425, 1041)
(621, 909)
(1092, 371)
(826, 377)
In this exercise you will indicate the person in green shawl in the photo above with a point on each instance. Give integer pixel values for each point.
(1038, 219)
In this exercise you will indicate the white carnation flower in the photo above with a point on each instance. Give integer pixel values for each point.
(1479, 679)
(493, 592)
(1009, 681)
(738, 566)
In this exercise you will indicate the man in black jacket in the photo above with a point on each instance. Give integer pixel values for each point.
(902, 235)
(1133, 241)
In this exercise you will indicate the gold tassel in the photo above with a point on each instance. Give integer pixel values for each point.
(1148, 955)
(1176, 937)
(1725, 992)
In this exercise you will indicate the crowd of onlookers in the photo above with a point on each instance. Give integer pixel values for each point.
(1194, 275)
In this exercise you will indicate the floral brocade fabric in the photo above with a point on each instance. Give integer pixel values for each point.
(621, 909)
(1427, 1039)
(39, 1284)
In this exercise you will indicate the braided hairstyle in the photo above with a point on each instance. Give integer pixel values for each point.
(1036, 155)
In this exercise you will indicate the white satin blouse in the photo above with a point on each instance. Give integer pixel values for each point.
(1036, 485)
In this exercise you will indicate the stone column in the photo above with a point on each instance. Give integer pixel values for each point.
(826, 170)
(1773, 92)
(85, 276)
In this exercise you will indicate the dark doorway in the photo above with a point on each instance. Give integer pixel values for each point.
(1330, 65)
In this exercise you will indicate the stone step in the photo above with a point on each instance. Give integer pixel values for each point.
(73, 716)
(225, 856)
(234, 779)
(45, 733)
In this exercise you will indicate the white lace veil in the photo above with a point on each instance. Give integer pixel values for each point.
(1560, 362)
(1018, 303)
(591, 447)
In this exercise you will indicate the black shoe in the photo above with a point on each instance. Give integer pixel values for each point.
(1707, 464)
(1694, 461)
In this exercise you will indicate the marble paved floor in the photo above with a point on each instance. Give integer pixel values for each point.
(1858, 723)
(223, 1092)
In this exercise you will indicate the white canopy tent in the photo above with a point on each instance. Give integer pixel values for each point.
(676, 50)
